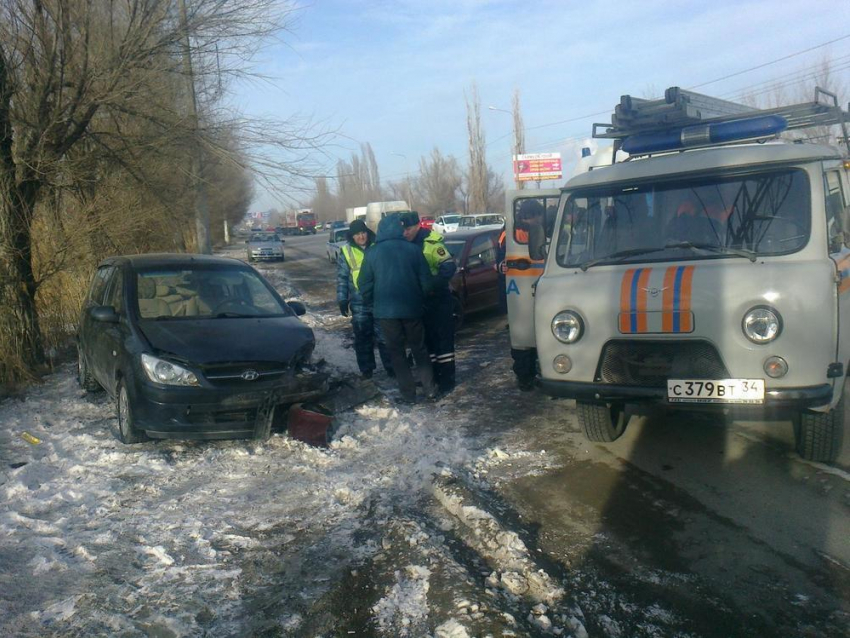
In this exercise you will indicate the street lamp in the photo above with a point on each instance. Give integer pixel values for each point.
(406, 178)
(516, 148)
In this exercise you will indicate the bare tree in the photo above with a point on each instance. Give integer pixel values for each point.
(74, 76)
(358, 181)
(438, 183)
(477, 170)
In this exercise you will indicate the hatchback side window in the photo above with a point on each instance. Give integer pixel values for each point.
(482, 253)
(115, 290)
(98, 285)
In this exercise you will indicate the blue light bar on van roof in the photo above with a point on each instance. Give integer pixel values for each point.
(752, 128)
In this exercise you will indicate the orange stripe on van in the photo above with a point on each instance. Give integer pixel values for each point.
(667, 300)
(625, 299)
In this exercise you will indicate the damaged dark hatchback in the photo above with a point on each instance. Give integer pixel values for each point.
(193, 347)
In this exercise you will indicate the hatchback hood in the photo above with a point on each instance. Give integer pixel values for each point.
(206, 341)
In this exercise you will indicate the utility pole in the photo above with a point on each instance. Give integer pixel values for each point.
(519, 142)
(202, 211)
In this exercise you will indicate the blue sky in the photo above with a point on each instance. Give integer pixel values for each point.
(393, 72)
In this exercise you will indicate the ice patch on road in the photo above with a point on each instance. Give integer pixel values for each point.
(405, 607)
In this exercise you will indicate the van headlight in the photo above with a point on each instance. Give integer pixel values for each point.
(567, 326)
(167, 373)
(762, 325)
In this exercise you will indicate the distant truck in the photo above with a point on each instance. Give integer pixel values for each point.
(376, 211)
(358, 212)
(299, 222)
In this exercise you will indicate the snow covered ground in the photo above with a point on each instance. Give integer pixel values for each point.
(231, 538)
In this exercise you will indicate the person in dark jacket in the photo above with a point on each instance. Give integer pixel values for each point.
(439, 317)
(366, 331)
(394, 280)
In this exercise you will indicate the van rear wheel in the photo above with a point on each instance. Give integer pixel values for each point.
(601, 422)
(818, 435)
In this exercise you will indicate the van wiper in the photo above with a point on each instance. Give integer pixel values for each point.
(232, 315)
(714, 248)
(634, 252)
(620, 255)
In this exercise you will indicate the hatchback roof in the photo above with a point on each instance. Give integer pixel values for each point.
(472, 232)
(171, 259)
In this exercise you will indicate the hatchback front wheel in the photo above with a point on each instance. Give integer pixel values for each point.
(127, 432)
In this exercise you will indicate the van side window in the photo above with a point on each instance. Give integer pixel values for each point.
(98, 285)
(534, 210)
(835, 211)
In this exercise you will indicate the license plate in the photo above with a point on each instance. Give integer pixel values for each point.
(715, 390)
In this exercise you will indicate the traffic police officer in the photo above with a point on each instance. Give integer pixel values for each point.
(366, 329)
(439, 315)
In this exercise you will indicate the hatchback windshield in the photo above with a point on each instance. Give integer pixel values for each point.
(451, 219)
(735, 216)
(205, 294)
(264, 237)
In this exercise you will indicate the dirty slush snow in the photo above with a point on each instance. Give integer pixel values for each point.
(371, 536)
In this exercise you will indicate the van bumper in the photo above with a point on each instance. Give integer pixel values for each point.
(775, 399)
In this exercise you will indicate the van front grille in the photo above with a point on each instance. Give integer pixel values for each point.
(651, 363)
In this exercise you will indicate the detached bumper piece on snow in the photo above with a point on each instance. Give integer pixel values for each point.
(221, 413)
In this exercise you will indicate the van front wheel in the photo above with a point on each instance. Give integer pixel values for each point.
(818, 435)
(601, 422)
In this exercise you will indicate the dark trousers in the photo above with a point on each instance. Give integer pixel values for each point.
(397, 333)
(366, 332)
(440, 339)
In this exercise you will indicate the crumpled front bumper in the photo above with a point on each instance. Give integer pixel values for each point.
(218, 412)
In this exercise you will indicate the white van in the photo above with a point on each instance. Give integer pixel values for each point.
(376, 211)
(696, 279)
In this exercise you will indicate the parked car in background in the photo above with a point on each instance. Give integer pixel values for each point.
(193, 347)
(475, 286)
(427, 222)
(476, 221)
(336, 240)
(339, 224)
(264, 247)
(446, 224)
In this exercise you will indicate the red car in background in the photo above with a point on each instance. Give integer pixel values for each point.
(426, 222)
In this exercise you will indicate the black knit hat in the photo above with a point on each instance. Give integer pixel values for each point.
(357, 226)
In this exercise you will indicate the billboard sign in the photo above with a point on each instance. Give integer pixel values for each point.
(533, 167)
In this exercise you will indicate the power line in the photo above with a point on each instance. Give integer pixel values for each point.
(761, 66)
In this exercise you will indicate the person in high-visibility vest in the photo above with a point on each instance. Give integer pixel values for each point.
(366, 330)
(439, 315)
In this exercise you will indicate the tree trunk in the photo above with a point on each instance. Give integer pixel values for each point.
(21, 349)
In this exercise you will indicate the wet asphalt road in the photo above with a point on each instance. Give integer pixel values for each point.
(717, 519)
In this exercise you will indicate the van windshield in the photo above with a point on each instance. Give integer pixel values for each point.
(712, 217)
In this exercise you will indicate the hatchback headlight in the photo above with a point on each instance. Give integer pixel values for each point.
(567, 326)
(167, 373)
(762, 325)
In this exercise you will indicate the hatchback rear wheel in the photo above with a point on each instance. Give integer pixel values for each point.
(84, 376)
(127, 432)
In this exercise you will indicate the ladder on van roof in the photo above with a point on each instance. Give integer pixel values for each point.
(686, 111)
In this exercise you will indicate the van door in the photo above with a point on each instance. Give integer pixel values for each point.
(521, 272)
(837, 208)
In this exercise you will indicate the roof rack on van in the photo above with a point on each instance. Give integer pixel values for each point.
(685, 119)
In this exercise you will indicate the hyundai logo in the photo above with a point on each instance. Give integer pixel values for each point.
(250, 375)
